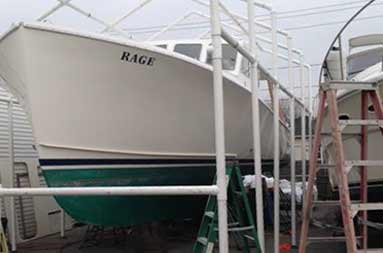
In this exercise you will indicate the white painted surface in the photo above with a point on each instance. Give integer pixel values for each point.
(162, 109)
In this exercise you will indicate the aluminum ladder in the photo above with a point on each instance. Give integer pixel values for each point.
(241, 220)
(349, 210)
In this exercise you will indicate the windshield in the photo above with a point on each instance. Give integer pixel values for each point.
(190, 50)
(229, 55)
(362, 60)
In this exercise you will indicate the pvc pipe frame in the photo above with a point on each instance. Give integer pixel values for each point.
(256, 124)
(303, 129)
(292, 145)
(276, 123)
(12, 165)
(219, 127)
(111, 191)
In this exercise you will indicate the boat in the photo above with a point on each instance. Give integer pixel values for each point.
(364, 64)
(108, 111)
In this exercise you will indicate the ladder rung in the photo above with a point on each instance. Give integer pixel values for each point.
(239, 193)
(249, 237)
(202, 240)
(343, 133)
(210, 214)
(360, 122)
(326, 166)
(239, 229)
(326, 203)
(366, 163)
(367, 206)
(349, 85)
(331, 202)
(369, 251)
(326, 238)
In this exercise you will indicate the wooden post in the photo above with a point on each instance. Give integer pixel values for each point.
(312, 173)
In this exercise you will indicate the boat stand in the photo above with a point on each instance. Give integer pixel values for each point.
(342, 167)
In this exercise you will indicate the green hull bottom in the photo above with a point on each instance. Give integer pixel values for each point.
(130, 210)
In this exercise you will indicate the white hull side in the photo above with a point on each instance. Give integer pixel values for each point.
(85, 102)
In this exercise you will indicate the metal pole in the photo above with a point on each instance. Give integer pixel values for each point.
(292, 145)
(256, 127)
(12, 164)
(219, 126)
(276, 132)
(303, 128)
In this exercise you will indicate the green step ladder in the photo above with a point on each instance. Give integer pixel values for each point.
(241, 224)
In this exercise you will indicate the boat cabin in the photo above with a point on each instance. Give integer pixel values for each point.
(201, 50)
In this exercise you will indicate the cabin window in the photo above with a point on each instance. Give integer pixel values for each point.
(245, 67)
(190, 50)
(344, 117)
(229, 57)
(162, 46)
(362, 60)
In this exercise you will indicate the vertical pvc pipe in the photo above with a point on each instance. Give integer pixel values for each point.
(256, 126)
(219, 127)
(303, 127)
(276, 131)
(310, 107)
(62, 223)
(12, 164)
(292, 145)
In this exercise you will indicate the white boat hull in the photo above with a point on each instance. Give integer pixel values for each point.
(87, 99)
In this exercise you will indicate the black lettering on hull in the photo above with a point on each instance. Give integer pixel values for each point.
(137, 59)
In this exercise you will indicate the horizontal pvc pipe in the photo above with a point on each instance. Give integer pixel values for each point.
(112, 191)
(235, 44)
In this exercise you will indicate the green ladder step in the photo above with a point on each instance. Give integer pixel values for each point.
(240, 218)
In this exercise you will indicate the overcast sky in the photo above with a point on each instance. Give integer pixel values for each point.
(312, 23)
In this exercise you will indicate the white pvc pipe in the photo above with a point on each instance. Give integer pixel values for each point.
(256, 127)
(309, 83)
(52, 10)
(276, 132)
(235, 44)
(112, 191)
(131, 12)
(292, 146)
(303, 128)
(262, 5)
(169, 26)
(91, 16)
(12, 168)
(219, 127)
